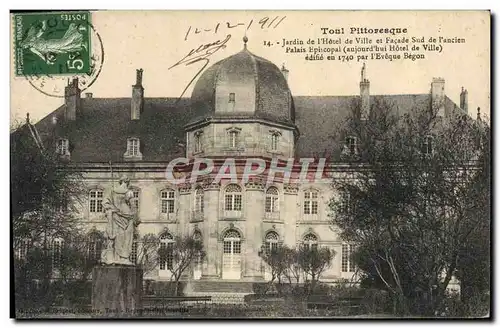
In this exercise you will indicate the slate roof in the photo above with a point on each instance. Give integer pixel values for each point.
(272, 94)
(103, 125)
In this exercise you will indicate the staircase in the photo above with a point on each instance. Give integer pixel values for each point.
(222, 292)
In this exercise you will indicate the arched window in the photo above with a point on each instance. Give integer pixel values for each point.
(271, 242)
(232, 198)
(272, 200)
(95, 201)
(310, 241)
(95, 241)
(233, 136)
(311, 201)
(199, 200)
(275, 140)
(232, 242)
(168, 201)
(166, 251)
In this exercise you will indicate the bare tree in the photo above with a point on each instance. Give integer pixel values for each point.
(184, 250)
(314, 261)
(407, 204)
(148, 252)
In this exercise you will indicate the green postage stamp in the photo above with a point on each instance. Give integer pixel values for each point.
(52, 43)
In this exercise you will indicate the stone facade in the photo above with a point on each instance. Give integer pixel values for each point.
(240, 108)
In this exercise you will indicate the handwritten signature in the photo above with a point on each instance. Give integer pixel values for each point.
(201, 54)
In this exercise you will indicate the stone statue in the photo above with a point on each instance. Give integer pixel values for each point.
(122, 220)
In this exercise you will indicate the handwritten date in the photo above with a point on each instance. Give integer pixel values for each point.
(264, 22)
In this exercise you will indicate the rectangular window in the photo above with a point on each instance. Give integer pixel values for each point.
(232, 97)
(311, 202)
(170, 256)
(345, 257)
(274, 141)
(135, 200)
(56, 254)
(347, 262)
(233, 139)
(163, 256)
(199, 201)
(347, 204)
(233, 202)
(272, 204)
(22, 251)
(133, 254)
(197, 142)
(95, 205)
(351, 262)
(168, 201)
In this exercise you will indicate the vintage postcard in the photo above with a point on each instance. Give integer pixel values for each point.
(250, 164)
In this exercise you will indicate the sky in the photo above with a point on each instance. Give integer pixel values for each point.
(157, 40)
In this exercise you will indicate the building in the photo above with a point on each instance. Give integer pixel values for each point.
(241, 107)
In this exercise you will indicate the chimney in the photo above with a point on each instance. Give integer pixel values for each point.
(88, 95)
(284, 71)
(437, 95)
(478, 117)
(464, 101)
(364, 91)
(137, 97)
(72, 100)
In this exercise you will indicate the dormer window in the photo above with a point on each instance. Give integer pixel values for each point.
(427, 146)
(232, 97)
(233, 135)
(62, 147)
(351, 144)
(133, 146)
(133, 149)
(198, 141)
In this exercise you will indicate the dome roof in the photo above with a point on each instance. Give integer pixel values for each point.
(243, 85)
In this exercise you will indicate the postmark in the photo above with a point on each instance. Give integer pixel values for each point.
(52, 43)
(67, 65)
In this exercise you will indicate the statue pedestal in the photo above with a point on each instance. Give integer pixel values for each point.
(116, 291)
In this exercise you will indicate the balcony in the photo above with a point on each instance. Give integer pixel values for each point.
(232, 215)
(272, 216)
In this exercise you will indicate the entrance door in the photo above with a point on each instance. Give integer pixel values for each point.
(231, 257)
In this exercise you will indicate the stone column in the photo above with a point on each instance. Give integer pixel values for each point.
(211, 267)
(254, 214)
(291, 214)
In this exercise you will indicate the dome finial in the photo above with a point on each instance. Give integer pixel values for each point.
(245, 40)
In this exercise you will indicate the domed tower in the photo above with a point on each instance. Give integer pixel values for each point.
(243, 107)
